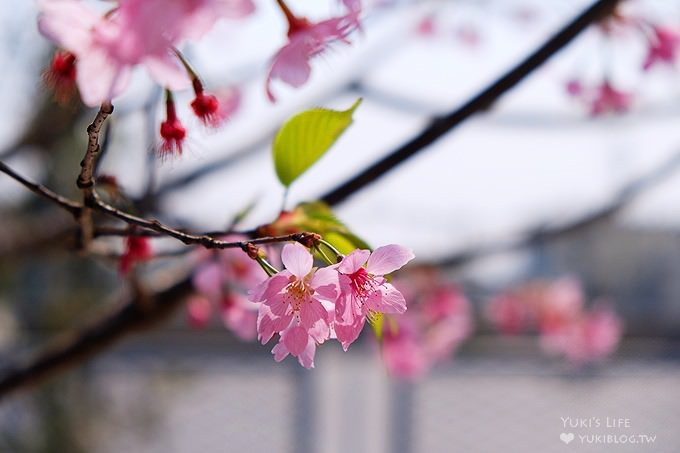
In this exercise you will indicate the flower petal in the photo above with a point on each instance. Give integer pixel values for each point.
(388, 258)
(352, 262)
(297, 259)
(295, 339)
(387, 299)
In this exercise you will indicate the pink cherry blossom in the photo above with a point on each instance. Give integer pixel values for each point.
(591, 337)
(137, 249)
(239, 315)
(663, 48)
(403, 352)
(222, 278)
(607, 99)
(138, 32)
(364, 290)
(307, 40)
(199, 310)
(437, 322)
(292, 305)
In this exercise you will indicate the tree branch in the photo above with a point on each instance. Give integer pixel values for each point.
(63, 202)
(140, 313)
(440, 126)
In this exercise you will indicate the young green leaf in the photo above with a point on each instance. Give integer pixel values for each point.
(304, 138)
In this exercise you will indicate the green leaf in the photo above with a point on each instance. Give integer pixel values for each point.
(304, 138)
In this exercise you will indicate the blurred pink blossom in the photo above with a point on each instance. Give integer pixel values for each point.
(663, 48)
(307, 40)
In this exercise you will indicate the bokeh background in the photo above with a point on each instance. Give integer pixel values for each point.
(534, 188)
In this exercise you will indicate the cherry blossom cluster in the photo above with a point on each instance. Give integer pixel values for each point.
(222, 280)
(662, 42)
(307, 305)
(557, 311)
(99, 51)
(439, 320)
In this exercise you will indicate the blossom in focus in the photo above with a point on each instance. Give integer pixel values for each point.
(307, 40)
(364, 290)
(663, 47)
(292, 305)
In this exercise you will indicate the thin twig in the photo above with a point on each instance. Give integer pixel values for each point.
(63, 202)
(141, 313)
(85, 179)
(439, 126)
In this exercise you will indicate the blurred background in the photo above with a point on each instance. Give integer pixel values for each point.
(540, 190)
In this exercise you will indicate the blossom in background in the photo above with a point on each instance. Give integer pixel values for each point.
(137, 249)
(221, 281)
(137, 32)
(307, 40)
(60, 76)
(663, 47)
(292, 305)
(558, 313)
(214, 109)
(591, 336)
(600, 99)
(436, 324)
(364, 290)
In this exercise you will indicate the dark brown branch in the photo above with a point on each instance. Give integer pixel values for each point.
(63, 202)
(86, 177)
(438, 127)
(141, 313)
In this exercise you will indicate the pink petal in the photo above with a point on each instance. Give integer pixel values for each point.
(306, 358)
(387, 299)
(352, 262)
(67, 23)
(270, 287)
(297, 259)
(347, 334)
(311, 312)
(208, 279)
(295, 339)
(99, 78)
(388, 258)
(325, 283)
(280, 351)
(167, 71)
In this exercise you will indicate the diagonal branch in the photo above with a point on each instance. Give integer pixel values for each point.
(141, 313)
(63, 202)
(440, 126)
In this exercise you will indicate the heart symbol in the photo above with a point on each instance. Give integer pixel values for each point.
(567, 437)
